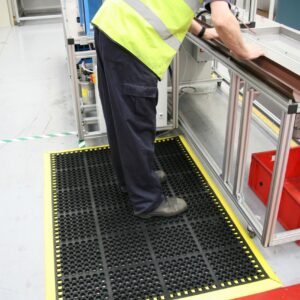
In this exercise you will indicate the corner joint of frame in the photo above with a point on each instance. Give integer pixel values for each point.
(70, 41)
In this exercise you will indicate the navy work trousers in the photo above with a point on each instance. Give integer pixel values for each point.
(129, 94)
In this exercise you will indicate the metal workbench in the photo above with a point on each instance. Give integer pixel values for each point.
(253, 87)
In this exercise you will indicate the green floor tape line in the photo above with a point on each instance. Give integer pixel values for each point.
(38, 137)
(97, 249)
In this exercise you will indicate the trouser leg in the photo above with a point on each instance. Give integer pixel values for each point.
(132, 94)
(111, 130)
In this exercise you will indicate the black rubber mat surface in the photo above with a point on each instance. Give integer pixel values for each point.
(102, 251)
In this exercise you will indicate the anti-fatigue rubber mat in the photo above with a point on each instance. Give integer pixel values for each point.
(100, 250)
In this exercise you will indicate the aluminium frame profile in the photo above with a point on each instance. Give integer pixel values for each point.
(266, 232)
(72, 59)
(272, 9)
(251, 9)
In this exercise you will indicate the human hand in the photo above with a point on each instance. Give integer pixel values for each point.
(250, 51)
(210, 34)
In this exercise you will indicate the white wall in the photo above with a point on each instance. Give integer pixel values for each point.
(4, 14)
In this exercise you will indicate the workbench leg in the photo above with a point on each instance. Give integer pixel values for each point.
(244, 133)
(175, 90)
(75, 89)
(16, 11)
(280, 165)
(231, 125)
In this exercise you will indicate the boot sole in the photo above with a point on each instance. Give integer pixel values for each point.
(149, 216)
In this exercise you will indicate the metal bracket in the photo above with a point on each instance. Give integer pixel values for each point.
(292, 109)
(70, 41)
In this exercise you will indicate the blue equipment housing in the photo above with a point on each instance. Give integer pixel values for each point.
(288, 13)
(87, 10)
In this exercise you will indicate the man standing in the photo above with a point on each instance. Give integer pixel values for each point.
(136, 41)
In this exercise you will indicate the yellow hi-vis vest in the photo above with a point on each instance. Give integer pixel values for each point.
(152, 30)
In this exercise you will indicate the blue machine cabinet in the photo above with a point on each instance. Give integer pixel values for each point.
(288, 13)
(87, 10)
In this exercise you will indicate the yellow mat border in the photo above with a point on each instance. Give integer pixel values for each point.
(50, 282)
(246, 289)
(272, 282)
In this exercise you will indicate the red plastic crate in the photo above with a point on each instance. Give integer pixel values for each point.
(261, 169)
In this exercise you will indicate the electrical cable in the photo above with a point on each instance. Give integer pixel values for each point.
(202, 12)
(85, 69)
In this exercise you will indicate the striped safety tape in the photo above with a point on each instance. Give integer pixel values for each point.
(38, 137)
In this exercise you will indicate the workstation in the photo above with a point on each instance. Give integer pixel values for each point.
(227, 139)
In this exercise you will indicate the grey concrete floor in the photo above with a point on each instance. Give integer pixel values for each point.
(35, 99)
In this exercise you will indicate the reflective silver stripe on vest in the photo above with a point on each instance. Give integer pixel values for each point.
(193, 4)
(155, 22)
